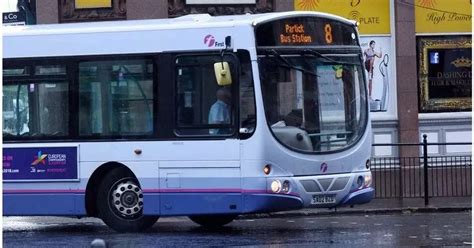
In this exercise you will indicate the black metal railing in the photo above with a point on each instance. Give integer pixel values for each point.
(408, 177)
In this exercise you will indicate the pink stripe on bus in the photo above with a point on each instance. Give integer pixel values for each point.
(192, 190)
(41, 191)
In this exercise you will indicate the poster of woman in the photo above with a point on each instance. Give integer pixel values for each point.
(376, 65)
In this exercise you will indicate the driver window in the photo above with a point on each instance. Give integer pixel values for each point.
(203, 107)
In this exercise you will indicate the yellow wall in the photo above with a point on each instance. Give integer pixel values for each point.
(373, 15)
(443, 16)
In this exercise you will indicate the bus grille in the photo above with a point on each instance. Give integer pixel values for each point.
(325, 184)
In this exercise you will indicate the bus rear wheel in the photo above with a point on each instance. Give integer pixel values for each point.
(120, 202)
(212, 221)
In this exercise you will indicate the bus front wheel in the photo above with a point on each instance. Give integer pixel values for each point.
(212, 221)
(120, 202)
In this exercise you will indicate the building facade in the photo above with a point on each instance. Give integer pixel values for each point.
(421, 49)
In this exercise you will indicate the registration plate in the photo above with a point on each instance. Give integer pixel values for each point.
(323, 199)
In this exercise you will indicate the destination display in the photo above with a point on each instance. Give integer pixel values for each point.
(306, 31)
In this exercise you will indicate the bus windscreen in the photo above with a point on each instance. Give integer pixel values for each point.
(306, 31)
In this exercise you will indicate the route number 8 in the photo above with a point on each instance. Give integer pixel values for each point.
(328, 32)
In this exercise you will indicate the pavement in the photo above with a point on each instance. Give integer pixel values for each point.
(377, 206)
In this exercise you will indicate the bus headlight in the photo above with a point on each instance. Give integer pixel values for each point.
(368, 180)
(276, 186)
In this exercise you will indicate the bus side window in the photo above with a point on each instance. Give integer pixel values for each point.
(116, 98)
(36, 108)
(203, 107)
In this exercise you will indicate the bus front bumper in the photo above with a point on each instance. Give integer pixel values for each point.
(359, 197)
(333, 190)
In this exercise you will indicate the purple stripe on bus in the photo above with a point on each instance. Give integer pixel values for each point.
(244, 191)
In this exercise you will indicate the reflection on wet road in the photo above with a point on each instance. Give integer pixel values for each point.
(411, 229)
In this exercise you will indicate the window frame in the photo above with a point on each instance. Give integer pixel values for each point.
(360, 133)
(72, 79)
(155, 83)
(244, 55)
(164, 94)
(32, 78)
(235, 118)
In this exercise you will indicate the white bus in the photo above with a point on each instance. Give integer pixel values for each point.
(199, 116)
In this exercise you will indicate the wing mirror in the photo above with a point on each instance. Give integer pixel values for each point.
(222, 69)
(223, 75)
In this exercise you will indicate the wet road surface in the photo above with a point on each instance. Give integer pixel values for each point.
(409, 229)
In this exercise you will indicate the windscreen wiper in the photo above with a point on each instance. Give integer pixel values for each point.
(288, 64)
(319, 55)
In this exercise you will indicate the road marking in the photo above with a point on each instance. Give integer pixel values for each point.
(354, 223)
(250, 220)
(290, 221)
(446, 226)
(311, 222)
(377, 224)
(413, 237)
(366, 233)
(436, 238)
(467, 243)
(334, 222)
(388, 235)
(398, 225)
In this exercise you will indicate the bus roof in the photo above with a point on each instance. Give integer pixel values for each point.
(200, 32)
(183, 22)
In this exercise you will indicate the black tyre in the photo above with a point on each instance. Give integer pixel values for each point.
(212, 221)
(120, 202)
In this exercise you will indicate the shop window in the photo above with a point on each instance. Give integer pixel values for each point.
(445, 73)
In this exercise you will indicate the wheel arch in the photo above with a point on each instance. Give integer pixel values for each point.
(93, 185)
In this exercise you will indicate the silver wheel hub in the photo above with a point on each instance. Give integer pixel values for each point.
(127, 198)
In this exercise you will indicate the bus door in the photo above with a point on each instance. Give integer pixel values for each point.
(201, 172)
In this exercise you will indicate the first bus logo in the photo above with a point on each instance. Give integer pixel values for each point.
(40, 158)
(210, 41)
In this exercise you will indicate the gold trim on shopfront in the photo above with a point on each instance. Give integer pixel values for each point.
(428, 104)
